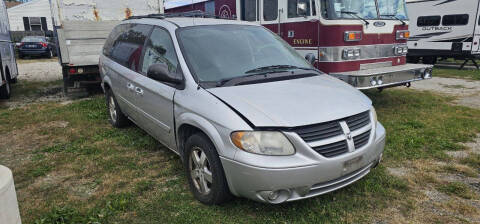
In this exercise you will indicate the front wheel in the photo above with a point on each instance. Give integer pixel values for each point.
(204, 171)
(116, 116)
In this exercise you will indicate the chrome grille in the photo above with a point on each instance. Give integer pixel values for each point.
(358, 121)
(330, 139)
(361, 140)
(319, 131)
(332, 150)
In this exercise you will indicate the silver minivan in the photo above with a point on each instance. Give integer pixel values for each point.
(247, 114)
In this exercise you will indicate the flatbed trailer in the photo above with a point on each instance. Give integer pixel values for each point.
(81, 28)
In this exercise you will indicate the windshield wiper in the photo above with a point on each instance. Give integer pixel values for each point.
(270, 68)
(395, 17)
(222, 82)
(355, 15)
(263, 71)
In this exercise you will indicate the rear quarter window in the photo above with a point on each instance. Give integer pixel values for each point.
(127, 45)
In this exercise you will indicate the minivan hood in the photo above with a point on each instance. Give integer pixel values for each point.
(294, 102)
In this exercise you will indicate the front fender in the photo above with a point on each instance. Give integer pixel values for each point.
(106, 80)
(208, 128)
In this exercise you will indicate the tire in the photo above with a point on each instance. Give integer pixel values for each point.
(431, 60)
(49, 54)
(14, 81)
(5, 90)
(413, 60)
(116, 116)
(204, 171)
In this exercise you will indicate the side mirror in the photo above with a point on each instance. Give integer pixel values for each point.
(302, 7)
(310, 57)
(159, 72)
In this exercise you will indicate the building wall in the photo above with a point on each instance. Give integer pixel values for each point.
(35, 8)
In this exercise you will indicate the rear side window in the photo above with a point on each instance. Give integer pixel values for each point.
(428, 21)
(160, 50)
(128, 46)
(455, 20)
(270, 10)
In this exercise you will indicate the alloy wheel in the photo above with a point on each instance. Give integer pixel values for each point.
(113, 109)
(200, 171)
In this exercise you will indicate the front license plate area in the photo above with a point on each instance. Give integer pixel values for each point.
(352, 164)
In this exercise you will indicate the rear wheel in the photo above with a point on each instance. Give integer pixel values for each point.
(116, 116)
(5, 90)
(431, 60)
(204, 171)
(49, 54)
(413, 60)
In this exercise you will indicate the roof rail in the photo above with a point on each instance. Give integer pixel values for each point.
(195, 14)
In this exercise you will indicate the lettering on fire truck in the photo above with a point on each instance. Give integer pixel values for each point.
(302, 41)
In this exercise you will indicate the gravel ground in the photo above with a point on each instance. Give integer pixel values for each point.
(466, 91)
(40, 70)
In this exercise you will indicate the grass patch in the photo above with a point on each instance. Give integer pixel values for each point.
(422, 125)
(465, 170)
(455, 73)
(456, 188)
(473, 160)
(89, 172)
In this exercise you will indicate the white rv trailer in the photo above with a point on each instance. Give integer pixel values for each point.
(8, 64)
(443, 28)
(81, 28)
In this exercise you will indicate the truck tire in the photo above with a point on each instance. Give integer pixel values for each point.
(430, 60)
(413, 59)
(206, 176)
(50, 54)
(5, 89)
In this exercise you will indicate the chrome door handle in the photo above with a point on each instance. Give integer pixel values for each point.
(139, 91)
(130, 86)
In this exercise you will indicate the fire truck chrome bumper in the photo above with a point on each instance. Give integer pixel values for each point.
(386, 76)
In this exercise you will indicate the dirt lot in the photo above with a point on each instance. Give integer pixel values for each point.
(71, 166)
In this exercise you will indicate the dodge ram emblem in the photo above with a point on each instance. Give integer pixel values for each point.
(379, 24)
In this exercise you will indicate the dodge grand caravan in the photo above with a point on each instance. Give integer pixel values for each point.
(247, 114)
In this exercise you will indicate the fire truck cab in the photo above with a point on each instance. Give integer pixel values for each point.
(362, 42)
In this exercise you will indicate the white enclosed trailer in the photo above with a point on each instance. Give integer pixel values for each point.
(8, 64)
(81, 28)
(443, 28)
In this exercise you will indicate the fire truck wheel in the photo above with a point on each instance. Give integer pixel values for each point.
(431, 60)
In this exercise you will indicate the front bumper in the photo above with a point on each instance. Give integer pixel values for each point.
(320, 176)
(390, 76)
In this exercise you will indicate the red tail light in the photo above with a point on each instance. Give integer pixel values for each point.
(21, 44)
(44, 45)
(72, 71)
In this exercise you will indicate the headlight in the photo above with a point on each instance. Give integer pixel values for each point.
(263, 142)
(374, 116)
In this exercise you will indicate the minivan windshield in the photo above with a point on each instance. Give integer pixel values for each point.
(222, 52)
(366, 9)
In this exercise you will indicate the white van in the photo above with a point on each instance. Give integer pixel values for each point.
(8, 64)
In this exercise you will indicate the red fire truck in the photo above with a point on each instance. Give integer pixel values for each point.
(362, 42)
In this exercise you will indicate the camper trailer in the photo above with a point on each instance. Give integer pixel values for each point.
(362, 42)
(443, 28)
(81, 28)
(8, 64)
